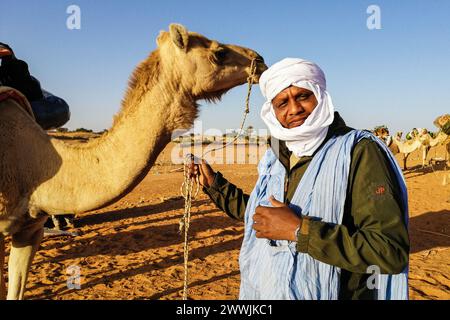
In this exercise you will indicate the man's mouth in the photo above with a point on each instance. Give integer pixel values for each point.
(297, 122)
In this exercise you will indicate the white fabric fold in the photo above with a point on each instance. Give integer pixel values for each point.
(305, 139)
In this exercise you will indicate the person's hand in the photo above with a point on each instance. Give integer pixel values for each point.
(276, 223)
(204, 172)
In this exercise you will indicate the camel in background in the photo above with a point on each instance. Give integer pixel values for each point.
(405, 147)
(41, 175)
(396, 145)
(417, 138)
(443, 137)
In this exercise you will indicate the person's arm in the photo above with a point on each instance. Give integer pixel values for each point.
(227, 197)
(224, 194)
(374, 230)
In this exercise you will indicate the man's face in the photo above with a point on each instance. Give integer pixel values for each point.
(293, 105)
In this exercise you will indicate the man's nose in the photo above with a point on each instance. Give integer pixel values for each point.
(294, 107)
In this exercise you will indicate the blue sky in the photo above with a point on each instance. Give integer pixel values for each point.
(398, 76)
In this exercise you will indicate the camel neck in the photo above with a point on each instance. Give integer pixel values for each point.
(102, 170)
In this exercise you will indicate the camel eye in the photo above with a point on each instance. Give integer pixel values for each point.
(220, 55)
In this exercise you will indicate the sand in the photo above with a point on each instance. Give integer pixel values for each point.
(132, 249)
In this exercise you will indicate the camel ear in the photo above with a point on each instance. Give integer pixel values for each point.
(179, 36)
(162, 35)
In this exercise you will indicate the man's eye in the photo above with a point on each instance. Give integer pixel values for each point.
(281, 105)
(303, 96)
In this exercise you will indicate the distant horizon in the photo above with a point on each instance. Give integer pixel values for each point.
(395, 76)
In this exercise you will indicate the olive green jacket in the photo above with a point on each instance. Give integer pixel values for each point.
(373, 230)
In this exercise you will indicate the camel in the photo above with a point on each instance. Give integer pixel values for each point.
(440, 138)
(396, 145)
(443, 137)
(41, 175)
(427, 140)
(417, 138)
(421, 140)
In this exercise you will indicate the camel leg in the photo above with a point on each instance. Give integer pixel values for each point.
(405, 157)
(2, 265)
(425, 155)
(69, 221)
(24, 245)
(447, 154)
(56, 223)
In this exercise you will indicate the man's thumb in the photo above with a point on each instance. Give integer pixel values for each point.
(275, 202)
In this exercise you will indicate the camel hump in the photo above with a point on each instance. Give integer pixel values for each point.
(11, 93)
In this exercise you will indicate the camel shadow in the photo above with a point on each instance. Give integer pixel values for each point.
(418, 170)
(430, 230)
(194, 284)
(151, 237)
(168, 261)
(128, 213)
(94, 219)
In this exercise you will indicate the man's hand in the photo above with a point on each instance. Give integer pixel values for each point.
(277, 223)
(204, 171)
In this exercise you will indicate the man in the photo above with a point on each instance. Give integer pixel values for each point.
(330, 204)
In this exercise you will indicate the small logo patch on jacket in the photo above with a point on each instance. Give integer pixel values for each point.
(380, 190)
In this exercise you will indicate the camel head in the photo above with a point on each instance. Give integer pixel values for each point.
(441, 121)
(422, 131)
(382, 132)
(205, 68)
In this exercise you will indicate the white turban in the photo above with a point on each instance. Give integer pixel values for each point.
(305, 139)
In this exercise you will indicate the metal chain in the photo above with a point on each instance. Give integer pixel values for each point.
(190, 182)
